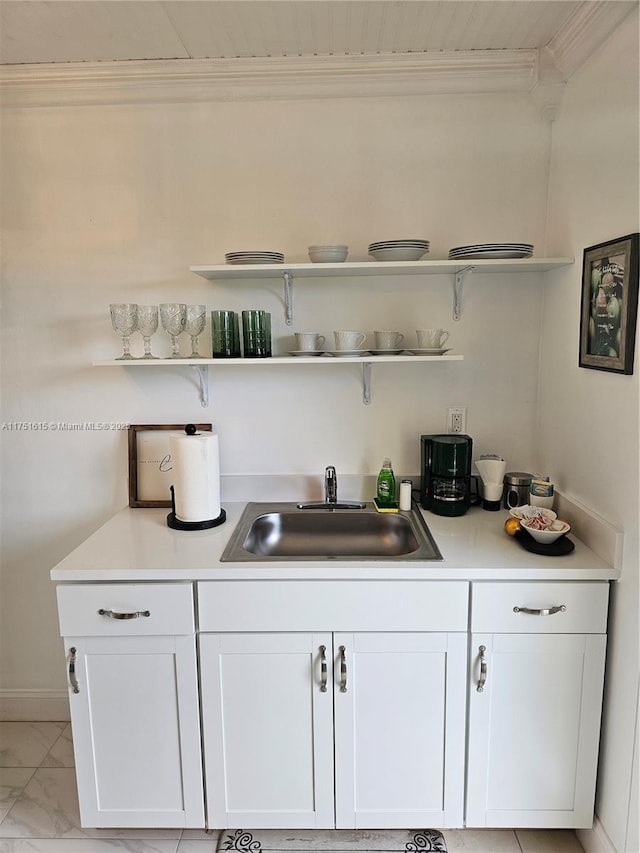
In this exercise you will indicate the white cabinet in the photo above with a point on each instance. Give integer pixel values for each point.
(297, 721)
(399, 729)
(268, 730)
(336, 703)
(133, 694)
(536, 677)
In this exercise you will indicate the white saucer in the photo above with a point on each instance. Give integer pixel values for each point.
(386, 351)
(310, 352)
(341, 353)
(430, 351)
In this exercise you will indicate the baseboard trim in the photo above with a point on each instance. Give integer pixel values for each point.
(34, 705)
(595, 840)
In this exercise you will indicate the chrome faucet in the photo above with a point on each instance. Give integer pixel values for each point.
(330, 485)
(331, 495)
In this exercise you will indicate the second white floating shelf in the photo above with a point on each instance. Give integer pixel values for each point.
(201, 365)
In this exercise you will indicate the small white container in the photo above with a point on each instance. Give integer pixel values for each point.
(539, 500)
(405, 495)
(541, 493)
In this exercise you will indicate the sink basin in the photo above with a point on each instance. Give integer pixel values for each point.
(281, 532)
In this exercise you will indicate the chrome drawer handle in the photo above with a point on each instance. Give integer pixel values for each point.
(323, 669)
(112, 614)
(343, 669)
(544, 612)
(73, 681)
(483, 669)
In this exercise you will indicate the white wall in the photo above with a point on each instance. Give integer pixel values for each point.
(113, 203)
(108, 204)
(589, 418)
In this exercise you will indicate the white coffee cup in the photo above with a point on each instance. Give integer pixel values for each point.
(309, 341)
(388, 340)
(431, 338)
(349, 340)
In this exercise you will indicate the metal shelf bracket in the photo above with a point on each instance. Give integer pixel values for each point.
(366, 383)
(288, 297)
(458, 280)
(203, 376)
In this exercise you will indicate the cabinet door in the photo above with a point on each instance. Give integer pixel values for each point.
(400, 701)
(268, 730)
(136, 731)
(534, 729)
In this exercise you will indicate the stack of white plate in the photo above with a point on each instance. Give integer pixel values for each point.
(398, 250)
(254, 258)
(492, 250)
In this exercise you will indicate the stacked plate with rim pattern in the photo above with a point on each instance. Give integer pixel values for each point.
(399, 250)
(254, 257)
(491, 250)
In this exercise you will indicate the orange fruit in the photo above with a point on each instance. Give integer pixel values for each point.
(512, 525)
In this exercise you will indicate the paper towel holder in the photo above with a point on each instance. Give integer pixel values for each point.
(176, 524)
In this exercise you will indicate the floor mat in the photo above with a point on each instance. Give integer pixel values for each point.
(332, 841)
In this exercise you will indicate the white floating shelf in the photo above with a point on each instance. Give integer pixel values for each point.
(458, 269)
(201, 365)
(248, 271)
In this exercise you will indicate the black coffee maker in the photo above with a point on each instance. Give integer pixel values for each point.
(446, 481)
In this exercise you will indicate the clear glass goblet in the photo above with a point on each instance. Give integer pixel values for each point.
(147, 326)
(196, 317)
(124, 319)
(173, 316)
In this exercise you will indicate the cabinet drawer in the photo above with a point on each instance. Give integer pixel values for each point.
(169, 608)
(333, 605)
(583, 607)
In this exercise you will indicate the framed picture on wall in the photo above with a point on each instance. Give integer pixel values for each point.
(609, 307)
(150, 464)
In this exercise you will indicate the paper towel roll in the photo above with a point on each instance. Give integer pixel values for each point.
(196, 475)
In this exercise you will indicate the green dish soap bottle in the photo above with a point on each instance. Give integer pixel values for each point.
(386, 491)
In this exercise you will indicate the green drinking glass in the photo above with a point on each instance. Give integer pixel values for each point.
(225, 334)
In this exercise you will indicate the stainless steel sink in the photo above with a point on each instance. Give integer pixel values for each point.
(282, 532)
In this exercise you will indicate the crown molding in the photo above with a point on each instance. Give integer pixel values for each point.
(585, 31)
(542, 73)
(274, 78)
(548, 89)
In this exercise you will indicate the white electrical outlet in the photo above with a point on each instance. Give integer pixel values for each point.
(456, 419)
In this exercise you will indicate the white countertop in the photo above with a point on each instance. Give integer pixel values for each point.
(137, 545)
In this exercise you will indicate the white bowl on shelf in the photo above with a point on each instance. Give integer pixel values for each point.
(328, 254)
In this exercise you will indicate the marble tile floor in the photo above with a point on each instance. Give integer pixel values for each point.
(39, 813)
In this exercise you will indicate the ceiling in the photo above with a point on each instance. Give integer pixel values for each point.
(62, 31)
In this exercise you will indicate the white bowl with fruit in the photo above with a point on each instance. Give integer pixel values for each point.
(544, 531)
(541, 524)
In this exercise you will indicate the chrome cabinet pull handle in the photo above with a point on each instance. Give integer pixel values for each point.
(323, 669)
(112, 614)
(483, 669)
(541, 612)
(73, 681)
(343, 669)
